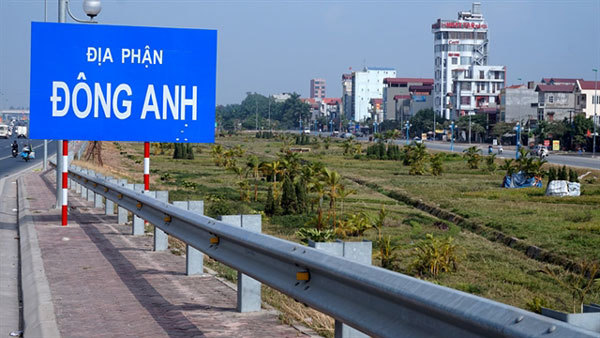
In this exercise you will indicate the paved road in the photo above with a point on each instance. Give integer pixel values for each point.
(9, 165)
(570, 160)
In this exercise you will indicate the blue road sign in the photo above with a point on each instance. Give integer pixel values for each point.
(122, 83)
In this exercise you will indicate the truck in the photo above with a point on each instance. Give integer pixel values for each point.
(4, 131)
(21, 132)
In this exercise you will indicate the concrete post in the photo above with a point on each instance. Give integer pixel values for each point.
(109, 206)
(122, 212)
(98, 198)
(360, 252)
(84, 189)
(90, 193)
(194, 258)
(161, 239)
(248, 293)
(138, 223)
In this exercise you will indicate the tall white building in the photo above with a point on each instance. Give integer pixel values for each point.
(461, 54)
(367, 85)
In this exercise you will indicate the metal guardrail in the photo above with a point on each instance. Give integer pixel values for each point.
(376, 301)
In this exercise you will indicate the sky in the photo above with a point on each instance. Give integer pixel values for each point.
(273, 46)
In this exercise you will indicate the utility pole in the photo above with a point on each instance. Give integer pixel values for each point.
(434, 124)
(256, 101)
(518, 140)
(452, 137)
(595, 101)
(62, 18)
(270, 113)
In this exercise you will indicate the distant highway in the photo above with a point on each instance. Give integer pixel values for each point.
(575, 160)
(9, 165)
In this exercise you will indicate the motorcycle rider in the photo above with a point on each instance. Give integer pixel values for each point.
(490, 150)
(15, 148)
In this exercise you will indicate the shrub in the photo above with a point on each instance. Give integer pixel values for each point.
(573, 176)
(551, 174)
(562, 173)
(306, 234)
(437, 161)
(387, 253)
(436, 255)
(536, 304)
(472, 156)
(490, 161)
(288, 199)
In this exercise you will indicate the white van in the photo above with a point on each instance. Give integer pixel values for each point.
(4, 131)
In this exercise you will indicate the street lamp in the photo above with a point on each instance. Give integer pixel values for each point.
(595, 101)
(452, 136)
(92, 8)
(407, 129)
(518, 139)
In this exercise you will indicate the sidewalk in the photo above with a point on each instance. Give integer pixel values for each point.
(107, 283)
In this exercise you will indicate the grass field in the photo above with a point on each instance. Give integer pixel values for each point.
(566, 226)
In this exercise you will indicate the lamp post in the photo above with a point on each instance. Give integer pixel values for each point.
(469, 128)
(518, 140)
(407, 129)
(91, 8)
(434, 125)
(595, 101)
(452, 136)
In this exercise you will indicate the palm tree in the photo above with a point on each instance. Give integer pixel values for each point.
(419, 156)
(216, 151)
(472, 156)
(317, 186)
(343, 193)
(253, 166)
(333, 183)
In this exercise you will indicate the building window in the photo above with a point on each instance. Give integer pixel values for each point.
(454, 61)
(465, 100)
(465, 85)
(481, 74)
(465, 60)
(550, 99)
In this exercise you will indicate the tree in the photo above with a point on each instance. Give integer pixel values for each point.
(472, 156)
(501, 128)
(253, 166)
(437, 167)
(422, 121)
(288, 197)
(300, 188)
(270, 203)
(332, 183)
(418, 158)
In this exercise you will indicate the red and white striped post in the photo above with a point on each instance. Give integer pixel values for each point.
(146, 165)
(65, 181)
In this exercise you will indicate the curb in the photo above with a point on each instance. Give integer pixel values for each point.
(39, 319)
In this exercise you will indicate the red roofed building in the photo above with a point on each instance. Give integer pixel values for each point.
(558, 101)
(590, 96)
(397, 95)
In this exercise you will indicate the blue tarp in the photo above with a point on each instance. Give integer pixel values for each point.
(519, 180)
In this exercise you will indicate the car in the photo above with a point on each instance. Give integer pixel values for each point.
(417, 139)
(306, 131)
(537, 150)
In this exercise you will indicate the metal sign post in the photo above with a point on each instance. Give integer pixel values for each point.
(146, 166)
(65, 181)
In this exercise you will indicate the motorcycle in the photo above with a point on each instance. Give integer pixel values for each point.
(15, 152)
(28, 155)
(500, 150)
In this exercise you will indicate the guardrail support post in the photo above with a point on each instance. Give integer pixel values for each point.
(90, 193)
(83, 188)
(122, 212)
(360, 252)
(98, 198)
(194, 258)
(109, 206)
(161, 239)
(138, 223)
(248, 289)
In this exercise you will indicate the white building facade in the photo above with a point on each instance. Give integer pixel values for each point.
(367, 85)
(461, 52)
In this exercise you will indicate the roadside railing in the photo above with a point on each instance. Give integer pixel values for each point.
(373, 300)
